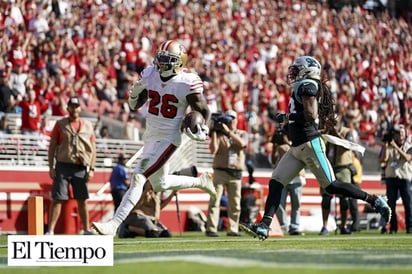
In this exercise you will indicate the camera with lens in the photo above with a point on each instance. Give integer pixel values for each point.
(388, 137)
(218, 119)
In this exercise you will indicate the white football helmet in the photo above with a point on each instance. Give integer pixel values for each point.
(170, 58)
(302, 68)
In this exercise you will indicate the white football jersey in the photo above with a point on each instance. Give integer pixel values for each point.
(166, 104)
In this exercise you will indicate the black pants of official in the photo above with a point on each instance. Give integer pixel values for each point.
(396, 187)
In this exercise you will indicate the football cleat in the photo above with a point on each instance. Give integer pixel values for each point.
(108, 228)
(382, 207)
(206, 180)
(324, 232)
(260, 230)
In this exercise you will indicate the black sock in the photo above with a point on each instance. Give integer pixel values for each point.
(272, 201)
(370, 199)
(267, 220)
(347, 190)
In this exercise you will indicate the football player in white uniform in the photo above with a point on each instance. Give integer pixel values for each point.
(168, 90)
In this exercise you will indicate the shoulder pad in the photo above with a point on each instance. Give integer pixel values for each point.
(189, 77)
(308, 87)
(193, 81)
(305, 87)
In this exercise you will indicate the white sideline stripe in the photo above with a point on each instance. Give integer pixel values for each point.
(237, 262)
(227, 262)
(242, 262)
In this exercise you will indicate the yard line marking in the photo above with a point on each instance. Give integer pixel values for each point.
(241, 262)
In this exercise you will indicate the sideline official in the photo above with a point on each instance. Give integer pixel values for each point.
(72, 157)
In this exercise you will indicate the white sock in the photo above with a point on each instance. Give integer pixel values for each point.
(177, 182)
(130, 199)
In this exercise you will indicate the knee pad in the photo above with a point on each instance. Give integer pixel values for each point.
(275, 185)
(345, 189)
(336, 187)
(331, 188)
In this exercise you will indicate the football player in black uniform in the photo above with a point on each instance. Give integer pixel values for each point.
(311, 108)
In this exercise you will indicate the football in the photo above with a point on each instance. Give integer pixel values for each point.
(192, 119)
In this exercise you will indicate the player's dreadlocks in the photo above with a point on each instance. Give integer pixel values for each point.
(327, 118)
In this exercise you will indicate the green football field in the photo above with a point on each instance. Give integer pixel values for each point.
(193, 253)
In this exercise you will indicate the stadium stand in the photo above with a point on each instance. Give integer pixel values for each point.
(86, 41)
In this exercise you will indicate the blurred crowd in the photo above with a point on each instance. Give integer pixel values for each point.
(52, 50)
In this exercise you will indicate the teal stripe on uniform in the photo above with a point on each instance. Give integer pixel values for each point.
(321, 156)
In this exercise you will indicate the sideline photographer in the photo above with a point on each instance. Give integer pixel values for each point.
(228, 147)
(396, 156)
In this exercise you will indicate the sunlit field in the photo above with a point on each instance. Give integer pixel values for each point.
(365, 252)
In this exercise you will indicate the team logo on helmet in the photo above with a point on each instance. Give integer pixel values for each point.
(170, 58)
(304, 67)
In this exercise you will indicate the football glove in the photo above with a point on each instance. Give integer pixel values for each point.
(134, 93)
(200, 135)
(137, 88)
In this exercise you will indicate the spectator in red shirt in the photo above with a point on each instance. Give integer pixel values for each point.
(129, 48)
(367, 130)
(282, 99)
(58, 104)
(45, 131)
(30, 114)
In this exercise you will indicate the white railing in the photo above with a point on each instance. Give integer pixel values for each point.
(26, 150)
(191, 153)
(20, 150)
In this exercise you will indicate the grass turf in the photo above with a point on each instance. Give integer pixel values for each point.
(365, 252)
